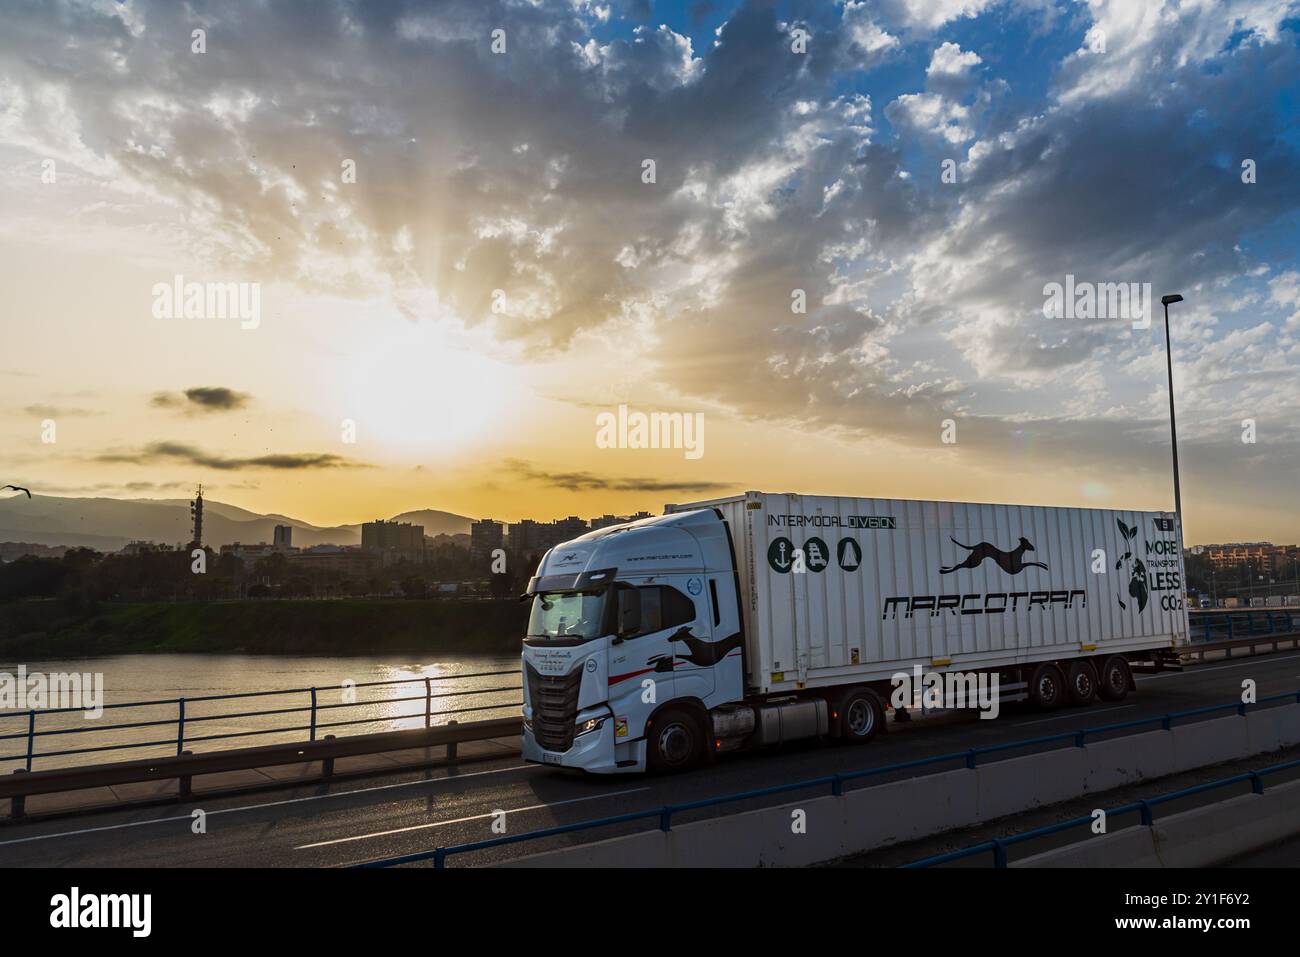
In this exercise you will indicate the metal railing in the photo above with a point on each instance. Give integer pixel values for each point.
(969, 758)
(998, 846)
(182, 721)
(1227, 624)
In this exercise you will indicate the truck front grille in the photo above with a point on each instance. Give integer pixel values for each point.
(555, 707)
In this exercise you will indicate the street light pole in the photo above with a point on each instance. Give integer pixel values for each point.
(1173, 427)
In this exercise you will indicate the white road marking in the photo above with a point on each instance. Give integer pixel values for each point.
(1074, 714)
(1255, 660)
(462, 820)
(258, 807)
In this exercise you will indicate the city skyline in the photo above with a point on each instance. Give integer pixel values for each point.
(440, 290)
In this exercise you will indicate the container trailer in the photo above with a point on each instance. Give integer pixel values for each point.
(762, 618)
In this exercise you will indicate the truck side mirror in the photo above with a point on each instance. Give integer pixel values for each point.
(629, 612)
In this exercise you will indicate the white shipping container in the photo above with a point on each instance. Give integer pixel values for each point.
(887, 584)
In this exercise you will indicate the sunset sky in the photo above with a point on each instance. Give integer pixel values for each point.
(775, 170)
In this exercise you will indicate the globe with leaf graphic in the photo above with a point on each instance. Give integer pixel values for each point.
(1138, 588)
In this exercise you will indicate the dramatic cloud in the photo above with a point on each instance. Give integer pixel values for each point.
(202, 399)
(180, 452)
(950, 69)
(931, 114)
(588, 482)
(44, 411)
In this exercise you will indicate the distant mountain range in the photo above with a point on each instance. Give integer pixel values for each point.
(107, 524)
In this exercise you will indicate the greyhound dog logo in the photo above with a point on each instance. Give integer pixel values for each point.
(1012, 562)
(703, 653)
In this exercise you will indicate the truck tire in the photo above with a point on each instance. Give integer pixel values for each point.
(861, 716)
(1047, 687)
(674, 741)
(1081, 683)
(1115, 679)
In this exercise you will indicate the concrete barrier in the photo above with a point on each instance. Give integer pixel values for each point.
(751, 839)
(1205, 836)
(1208, 742)
(900, 811)
(833, 827)
(907, 810)
(1273, 728)
(1202, 837)
(1017, 784)
(1120, 761)
(648, 849)
(1130, 847)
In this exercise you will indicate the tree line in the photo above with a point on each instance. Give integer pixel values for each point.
(84, 576)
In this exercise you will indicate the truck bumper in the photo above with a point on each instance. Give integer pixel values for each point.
(595, 752)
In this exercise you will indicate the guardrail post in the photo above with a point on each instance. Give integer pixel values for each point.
(428, 702)
(31, 737)
(313, 715)
(1241, 709)
(327, 764)
(1147, 817)
(1256, 782)
(18, 805)
(451, 745)
(666, 818)
(180, 727)
(837, 785)
(187, 780)
(999, 853)
(970, 759)
(440, 858)
(1078, 738)
(1166, 723)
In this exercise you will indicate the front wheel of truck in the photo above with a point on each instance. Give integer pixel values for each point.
(860, 716)
(674, 741)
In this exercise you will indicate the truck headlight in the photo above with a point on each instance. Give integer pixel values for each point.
(591, 724)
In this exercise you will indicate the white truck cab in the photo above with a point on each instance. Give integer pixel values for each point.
(634, 628)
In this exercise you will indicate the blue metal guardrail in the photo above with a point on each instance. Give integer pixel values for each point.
(998, 846)
(1226, 624)
(665, 814)
(1215, 625)
(314, 709)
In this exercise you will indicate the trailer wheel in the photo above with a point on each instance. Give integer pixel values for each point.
(1047, 687)
(1115, 679)
(1081, 683)
(674, 741)
(861, 716)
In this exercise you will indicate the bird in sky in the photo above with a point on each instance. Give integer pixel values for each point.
(19, 488)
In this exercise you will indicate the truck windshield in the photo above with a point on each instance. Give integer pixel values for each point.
(567, 614)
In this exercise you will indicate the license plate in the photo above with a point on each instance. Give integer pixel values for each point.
(548, 758)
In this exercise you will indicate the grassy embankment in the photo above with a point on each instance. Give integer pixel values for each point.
(49, 629)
